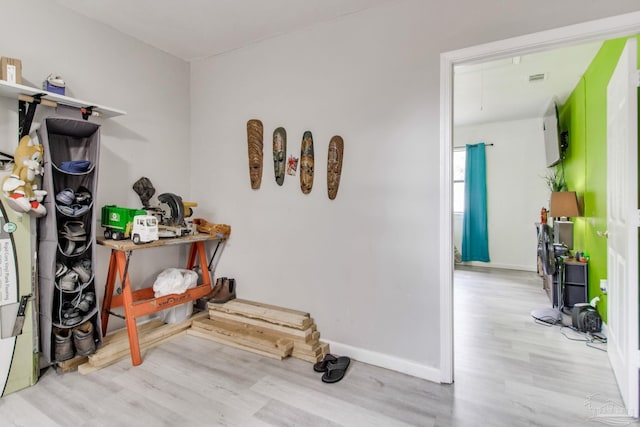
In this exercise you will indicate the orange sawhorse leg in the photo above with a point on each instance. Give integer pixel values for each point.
(117, 267)
(108, 292)
(198, 249)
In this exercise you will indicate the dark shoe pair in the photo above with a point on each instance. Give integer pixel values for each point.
(334, 368)
(223, 291)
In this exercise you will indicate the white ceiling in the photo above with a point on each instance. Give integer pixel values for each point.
(193, 29)
(501, 90)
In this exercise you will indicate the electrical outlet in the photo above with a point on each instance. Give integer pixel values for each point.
(603, 286)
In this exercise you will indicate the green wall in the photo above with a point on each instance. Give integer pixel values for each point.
(584, 115)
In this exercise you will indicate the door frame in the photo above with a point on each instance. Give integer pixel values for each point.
(598, 30)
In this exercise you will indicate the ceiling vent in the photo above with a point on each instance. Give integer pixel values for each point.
(537, 77)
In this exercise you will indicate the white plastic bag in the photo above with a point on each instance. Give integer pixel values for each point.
(175, 281)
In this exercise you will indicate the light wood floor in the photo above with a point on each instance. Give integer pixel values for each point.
(509, 372)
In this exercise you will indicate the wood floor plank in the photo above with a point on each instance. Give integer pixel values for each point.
(323, 405)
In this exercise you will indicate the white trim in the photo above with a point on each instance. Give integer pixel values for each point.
(616, 26)
(479, 264)
(385, 361)
(446, 220)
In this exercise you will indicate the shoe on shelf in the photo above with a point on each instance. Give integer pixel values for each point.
(86, 302)
(79, 210)
(83, 196)
(74, 210)
(61, 269)
(63, 347)
(69, 281)
(74, 246)
(83, 269)
(72, 229)
(65, 197)
(70, 314)
(83, 339)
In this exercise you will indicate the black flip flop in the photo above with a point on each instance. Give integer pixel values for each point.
(336, 370)
(322, 365)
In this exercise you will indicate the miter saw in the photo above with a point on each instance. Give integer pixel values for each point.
(171, 211)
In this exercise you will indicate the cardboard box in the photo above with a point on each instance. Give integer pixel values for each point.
(11, 70)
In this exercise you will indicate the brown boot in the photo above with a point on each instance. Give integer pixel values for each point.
(227, 293)
(201, 303)
(216, 288)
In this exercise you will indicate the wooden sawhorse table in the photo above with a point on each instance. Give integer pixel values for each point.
(141, 302)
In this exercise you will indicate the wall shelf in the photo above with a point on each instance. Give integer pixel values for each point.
(12, 90)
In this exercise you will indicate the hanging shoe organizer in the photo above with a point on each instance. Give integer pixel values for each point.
(67, 237)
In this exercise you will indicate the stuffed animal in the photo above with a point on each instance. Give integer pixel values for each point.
(19, 188)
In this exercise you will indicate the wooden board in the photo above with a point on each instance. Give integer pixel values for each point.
(115, 347)
(71, 364)
(219, 339)
(307, 346)
(305, 357)
(145, 335)
(88, 367)
(269, 313)
(246, 323)
(128, 245)
(324, 349)
(278, 330)
(246, 336)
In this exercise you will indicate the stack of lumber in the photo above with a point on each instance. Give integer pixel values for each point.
(115, 347)
(268, 330)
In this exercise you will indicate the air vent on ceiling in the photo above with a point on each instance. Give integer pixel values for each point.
(537, 77)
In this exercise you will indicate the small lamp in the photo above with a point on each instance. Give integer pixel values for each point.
(564, 204)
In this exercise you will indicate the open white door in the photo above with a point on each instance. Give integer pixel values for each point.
(622, 222)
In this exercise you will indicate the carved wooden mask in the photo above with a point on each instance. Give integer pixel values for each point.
(334, 165)
(279, 153)
(306, 163)
(254, 138)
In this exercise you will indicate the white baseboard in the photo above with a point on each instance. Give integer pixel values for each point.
(503, 266)
(386, 361)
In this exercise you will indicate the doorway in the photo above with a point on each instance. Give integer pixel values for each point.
(619, 26)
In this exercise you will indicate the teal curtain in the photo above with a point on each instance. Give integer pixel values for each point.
(475, 235)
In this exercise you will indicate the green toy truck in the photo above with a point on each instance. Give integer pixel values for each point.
(123, 223)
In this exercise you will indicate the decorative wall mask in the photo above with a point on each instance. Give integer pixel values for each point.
(306, 163)
(254, 138)
(279, 153)
(334, 165)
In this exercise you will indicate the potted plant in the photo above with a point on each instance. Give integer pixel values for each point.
(555, 181)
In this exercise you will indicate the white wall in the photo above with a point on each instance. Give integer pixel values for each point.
(516, 190)
(108, 68)
(367, 264)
